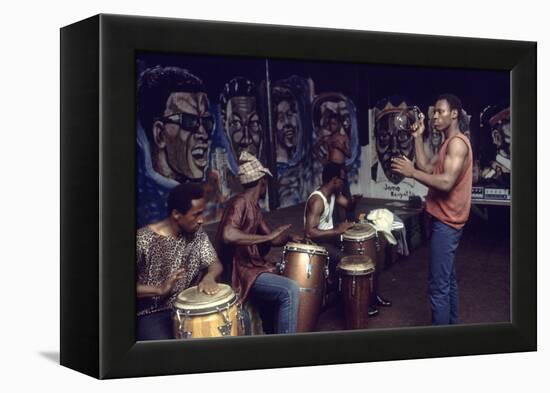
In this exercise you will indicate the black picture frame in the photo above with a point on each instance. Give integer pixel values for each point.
(98, 196)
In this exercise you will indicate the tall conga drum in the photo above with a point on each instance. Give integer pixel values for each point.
(307, 264)
(355, 286)
(361, 239)
(196, 314)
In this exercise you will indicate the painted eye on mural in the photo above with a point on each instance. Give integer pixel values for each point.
(384, 138)
(403, 137)
(236, 124)
(254, 125)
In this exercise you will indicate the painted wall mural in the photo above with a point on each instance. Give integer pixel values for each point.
(390, 136)
(494, 165)
(173, 137)
(291, 130)
(196, 114)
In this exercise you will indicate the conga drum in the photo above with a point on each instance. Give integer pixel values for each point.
(355, 286)
(361, 239)
(307, 264)
(196, 314)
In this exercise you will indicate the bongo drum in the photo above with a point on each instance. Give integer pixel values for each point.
(355, 286)
(307, 264)
(361, 239)
(197, 314)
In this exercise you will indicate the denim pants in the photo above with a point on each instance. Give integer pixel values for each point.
(443, 288)
(281, 292)
(155, 326)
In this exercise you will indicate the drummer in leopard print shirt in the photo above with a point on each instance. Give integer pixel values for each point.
(170, 255)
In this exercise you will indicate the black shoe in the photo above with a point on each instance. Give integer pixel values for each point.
(372, 311)
(380, 301)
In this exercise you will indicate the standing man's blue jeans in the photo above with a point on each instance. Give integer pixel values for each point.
(443, 288)
(284, 293)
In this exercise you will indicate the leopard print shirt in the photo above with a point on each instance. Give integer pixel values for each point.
(159, 256)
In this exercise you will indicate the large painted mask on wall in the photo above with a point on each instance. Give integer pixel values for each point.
(393, 118)
(240, 117)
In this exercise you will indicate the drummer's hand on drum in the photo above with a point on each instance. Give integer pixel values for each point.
(171, 281)
(344, 226)
(297, 239)
(279, 230)
(208, 286)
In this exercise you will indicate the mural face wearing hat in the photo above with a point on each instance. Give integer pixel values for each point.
(501, 132)
(241, 121)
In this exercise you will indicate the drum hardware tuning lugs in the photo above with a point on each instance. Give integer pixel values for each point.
(281, 265)
(183, 333)
(240, 313)
(225, 329)
(309, 266)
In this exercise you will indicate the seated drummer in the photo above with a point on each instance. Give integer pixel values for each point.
(318, 225)
(241, 231)
(170, 254)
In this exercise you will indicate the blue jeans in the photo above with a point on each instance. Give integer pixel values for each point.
(284, 294)
(155, 326)
(443, 287)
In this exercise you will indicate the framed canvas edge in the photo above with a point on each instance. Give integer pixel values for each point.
(121, 356)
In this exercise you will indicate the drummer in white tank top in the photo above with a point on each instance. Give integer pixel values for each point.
(318, 224)
(325, 221)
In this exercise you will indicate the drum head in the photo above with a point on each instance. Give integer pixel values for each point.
(198, 302)
(356, 265)
(306, 248)
(359, 232)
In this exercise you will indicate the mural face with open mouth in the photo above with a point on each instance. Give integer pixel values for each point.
(187, 147)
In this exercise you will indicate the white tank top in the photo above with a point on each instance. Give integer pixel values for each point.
(325, 222)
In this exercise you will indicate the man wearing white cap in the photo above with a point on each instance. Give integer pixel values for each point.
(241, 230)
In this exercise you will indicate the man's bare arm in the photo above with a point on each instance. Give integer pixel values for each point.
(422, 161)
(455, 158)
(313, 216)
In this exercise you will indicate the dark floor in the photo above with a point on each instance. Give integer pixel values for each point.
(482, 263)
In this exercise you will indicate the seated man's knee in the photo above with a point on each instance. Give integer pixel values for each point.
(294, 290)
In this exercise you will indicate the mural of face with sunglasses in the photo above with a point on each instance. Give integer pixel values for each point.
(187, 127)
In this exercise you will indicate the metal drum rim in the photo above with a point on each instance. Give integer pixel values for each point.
(206, 310)
(323, 252)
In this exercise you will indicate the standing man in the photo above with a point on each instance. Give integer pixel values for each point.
(241, 231)
(449, 178)
(170, 254)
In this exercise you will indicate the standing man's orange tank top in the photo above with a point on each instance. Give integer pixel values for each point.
(453, 207)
